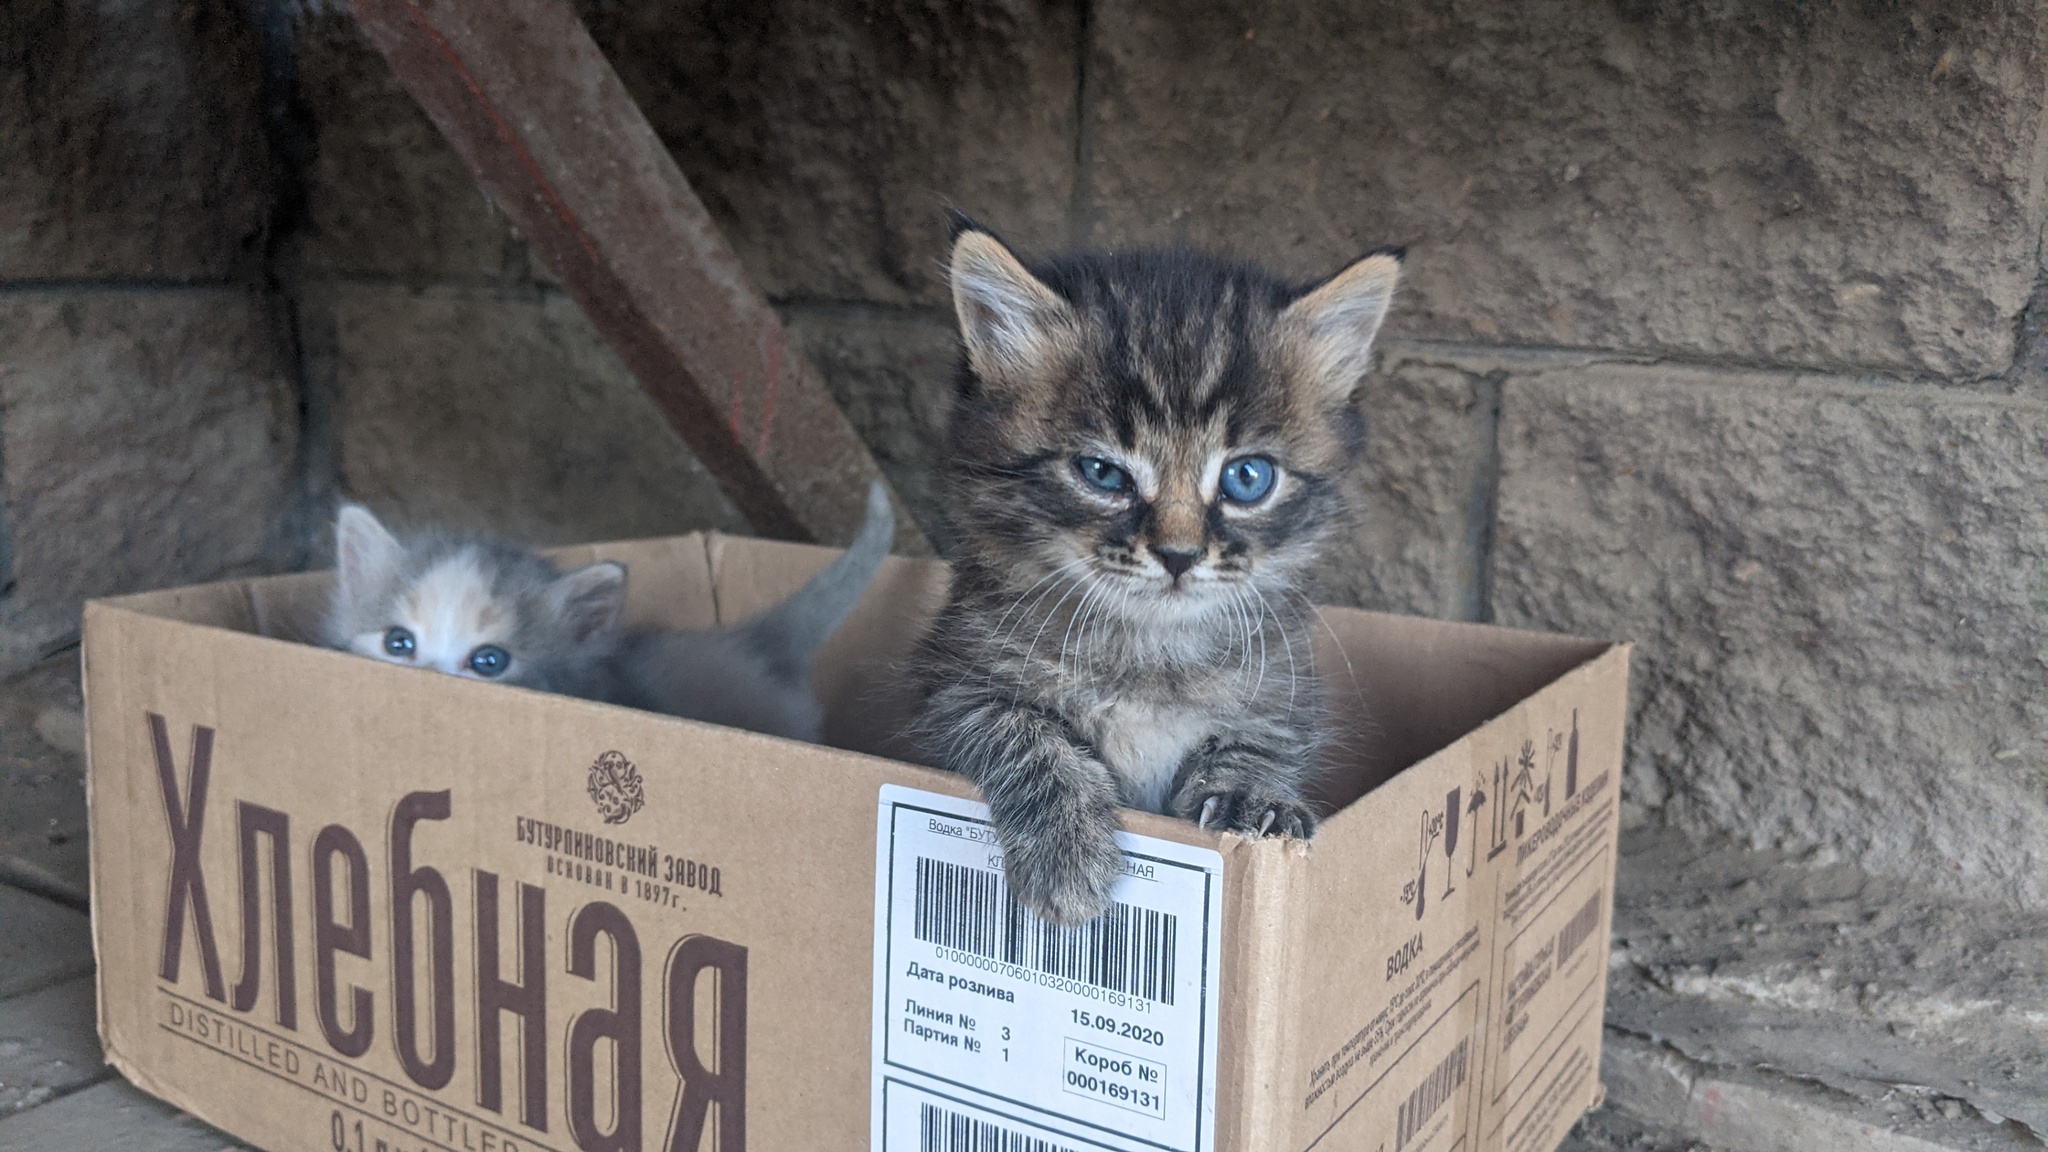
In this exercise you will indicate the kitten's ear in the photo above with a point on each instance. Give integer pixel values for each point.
(1013, 325)
(590, 598)
(1332, 327)
(958, 222)
(366, 554)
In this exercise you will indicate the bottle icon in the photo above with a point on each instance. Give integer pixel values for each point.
(1451, 813)
(1571, 759)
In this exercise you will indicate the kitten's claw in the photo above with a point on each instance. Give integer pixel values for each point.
(1247, 813)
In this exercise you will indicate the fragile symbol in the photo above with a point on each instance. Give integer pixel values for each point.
(1435, 826)
(615, 787)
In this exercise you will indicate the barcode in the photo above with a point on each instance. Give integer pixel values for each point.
(1128, 949)
(1437, 1087)
(1575, 930)
(940, 1130)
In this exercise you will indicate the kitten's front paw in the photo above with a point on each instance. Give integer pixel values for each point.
(1065, 877)
(1247, 812)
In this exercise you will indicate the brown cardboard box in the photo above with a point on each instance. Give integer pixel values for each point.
(619, 930)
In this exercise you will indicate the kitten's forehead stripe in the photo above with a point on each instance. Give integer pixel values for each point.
(1174, 350)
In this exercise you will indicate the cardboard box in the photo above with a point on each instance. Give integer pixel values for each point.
(620, 930)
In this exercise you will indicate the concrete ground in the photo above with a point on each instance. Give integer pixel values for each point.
(1773, 1002)
(1759, 1003)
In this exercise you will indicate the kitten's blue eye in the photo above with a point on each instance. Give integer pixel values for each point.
(1102, 474)
(1247, 479)
(399, 642)
(489, 661)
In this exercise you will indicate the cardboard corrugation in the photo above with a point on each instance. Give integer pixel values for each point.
(1320, 949)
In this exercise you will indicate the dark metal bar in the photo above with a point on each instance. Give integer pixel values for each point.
(551, 134)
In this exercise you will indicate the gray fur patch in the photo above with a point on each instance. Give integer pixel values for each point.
(452, 593)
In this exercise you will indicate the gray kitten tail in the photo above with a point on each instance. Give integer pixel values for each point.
(788, 635)
(757, 674)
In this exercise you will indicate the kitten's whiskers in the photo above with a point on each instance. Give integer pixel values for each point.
(1002, 637)
(1258, 626)
(1080, 614)
(1293, 669)
(1243, 622)
(1042, 581)
(1325, 622)
(1079, 586)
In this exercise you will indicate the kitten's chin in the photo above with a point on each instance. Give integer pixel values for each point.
(1155, 602)
(1179, 610)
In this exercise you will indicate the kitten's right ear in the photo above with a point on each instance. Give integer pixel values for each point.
(1015, 327)
(590, 598)
(366, 554)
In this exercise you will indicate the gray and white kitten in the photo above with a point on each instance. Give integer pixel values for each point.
(473, 605)
(1147, 452)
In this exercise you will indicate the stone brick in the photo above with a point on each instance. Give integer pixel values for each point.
(1835, 183)
(826, 138)
(110, 1117)
(149, 441)
(44, 943)
(387, 196)
(1423, 493)
(131, 138)
(42, 779)
(47, 1045)
(1841, 593)
(506, 410)
(891, 370)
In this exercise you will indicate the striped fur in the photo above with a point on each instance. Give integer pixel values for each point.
(1073, 668)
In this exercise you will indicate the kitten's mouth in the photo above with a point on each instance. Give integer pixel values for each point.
(1184, 588)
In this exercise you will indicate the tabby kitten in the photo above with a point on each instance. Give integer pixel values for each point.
(1146, 453)
(473, 605)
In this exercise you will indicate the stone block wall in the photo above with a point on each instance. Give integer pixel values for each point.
(1722, 331)
(150, 426)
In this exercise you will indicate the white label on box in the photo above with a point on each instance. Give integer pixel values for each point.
(996, 1030)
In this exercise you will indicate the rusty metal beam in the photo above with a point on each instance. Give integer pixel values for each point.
(550, 133)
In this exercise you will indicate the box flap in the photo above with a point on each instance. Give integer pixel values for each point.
(668, 580)
(1405, 687)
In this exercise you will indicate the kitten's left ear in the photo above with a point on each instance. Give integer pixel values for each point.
(366, 554)
(1333, 326)
(590, 598)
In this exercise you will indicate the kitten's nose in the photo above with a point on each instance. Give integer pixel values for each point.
(1176, 560)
